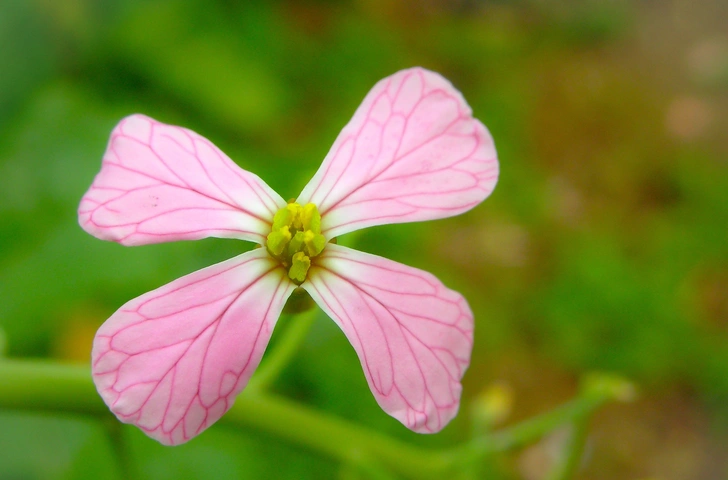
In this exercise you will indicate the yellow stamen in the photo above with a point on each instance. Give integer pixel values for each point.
(299, 267)
(295, 239)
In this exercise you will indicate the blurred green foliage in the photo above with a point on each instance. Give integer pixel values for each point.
(604, 247)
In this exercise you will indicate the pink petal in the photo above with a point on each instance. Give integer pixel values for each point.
(161, 183)
(413, 335)
(173, 360)
(411, 152)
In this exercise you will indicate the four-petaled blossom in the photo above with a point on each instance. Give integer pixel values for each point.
(173, 360)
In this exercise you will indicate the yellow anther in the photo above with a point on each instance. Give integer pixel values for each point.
(299, 267)
(311, 218)
(295, 238)
(315, 242)
(282, 219)
(295, 210)
(278, 239)
(296, 243)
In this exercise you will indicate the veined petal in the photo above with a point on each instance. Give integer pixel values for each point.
(411, 152)
(412, 334)
(161, 183)
(173, 360)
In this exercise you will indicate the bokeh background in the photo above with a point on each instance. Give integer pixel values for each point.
(603, 248)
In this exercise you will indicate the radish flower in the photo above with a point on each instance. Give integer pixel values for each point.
(173, 360)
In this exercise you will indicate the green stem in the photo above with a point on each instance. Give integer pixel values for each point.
(282, 353)
(365, 468)
(45, 386)
(37, 385)
(332, 436)
(124, 456)
(529, 430)
(569, 463)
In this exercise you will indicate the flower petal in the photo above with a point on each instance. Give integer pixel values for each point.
(161, 183)
(172, 361)
(413, 335)
(411, 152)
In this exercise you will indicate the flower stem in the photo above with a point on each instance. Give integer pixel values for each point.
(569, 463)
(282, 353)
(45, 386)
(334, 437)
(530, 430)
(365, 468)
(126, 462)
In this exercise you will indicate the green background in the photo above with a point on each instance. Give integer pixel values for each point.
(603, 248)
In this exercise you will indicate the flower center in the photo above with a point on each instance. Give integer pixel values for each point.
(295, 239)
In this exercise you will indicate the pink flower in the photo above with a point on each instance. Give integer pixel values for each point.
(173, 360)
